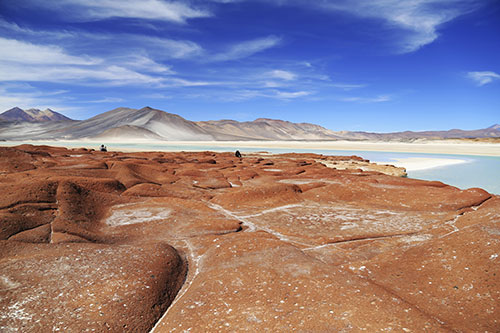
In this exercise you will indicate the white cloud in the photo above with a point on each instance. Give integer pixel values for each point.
(482, 78)
(178, 82)
(420, 18)
(291, 95)
(103, 43)
(166, 48)
(24, 61)
(247, 94)
(25, 97)
(142, 63)
(347, 86)
(377, 99)
(16, 51)
(107, 100)
(281, 74)
(174, 11)
(273, 84)
(247, 48)
(109, 75)
(15, 28)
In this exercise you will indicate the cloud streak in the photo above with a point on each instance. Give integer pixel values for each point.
(247, 48)
(419, 19)
(482, 78)
(91, 10)
(27, 53)
(25, 96)
(357, 99)
(281, 74)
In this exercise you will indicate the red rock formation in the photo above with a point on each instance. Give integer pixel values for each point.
(208, 242)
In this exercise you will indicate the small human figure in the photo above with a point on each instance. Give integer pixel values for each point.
(237, 154)
(103, 148)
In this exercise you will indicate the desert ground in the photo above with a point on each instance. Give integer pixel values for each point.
(208, 242)
(454, 147)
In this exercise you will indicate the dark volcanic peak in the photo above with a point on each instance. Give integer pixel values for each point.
(32, 115)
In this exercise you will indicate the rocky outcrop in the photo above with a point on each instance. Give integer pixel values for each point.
(207, 242)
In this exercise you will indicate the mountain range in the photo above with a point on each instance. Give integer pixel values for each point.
(32, 115)
(152, 124)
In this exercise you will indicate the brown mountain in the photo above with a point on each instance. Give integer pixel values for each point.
(32, 115)
(268, 129)
(154, 124)
(490, 132)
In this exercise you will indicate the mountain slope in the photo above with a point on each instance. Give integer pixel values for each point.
(267, 129)
(129, 132)
(165, 125)
(152, 124)
(490, 132)
(32, 115)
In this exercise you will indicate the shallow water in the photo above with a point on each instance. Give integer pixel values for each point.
(479, 171)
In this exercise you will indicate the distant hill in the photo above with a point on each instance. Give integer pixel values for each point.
(268, 129)
(490, 132)
(32, 115)
(152, 124)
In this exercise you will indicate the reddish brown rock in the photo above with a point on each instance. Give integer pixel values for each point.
(262, 243)
(79, 287)
(253, 282)
(259, 196)
(14, 160)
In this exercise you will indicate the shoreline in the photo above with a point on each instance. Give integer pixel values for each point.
(427, 147)
(422, 163)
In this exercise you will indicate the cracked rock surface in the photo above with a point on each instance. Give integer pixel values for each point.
(207, 242)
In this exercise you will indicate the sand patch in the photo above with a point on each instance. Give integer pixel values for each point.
(132, 214)
(423, 163)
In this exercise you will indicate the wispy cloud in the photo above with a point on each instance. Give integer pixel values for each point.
(106, 100)
(291, 95)
(142, 63)
(179, 82)
(281, 74)
(247, 94)
(482, 78)
(49, 63)
(16, 51)
(102, 43)
(25, 96)
(97, 75)
(358, 99)
(11, 27)
(88, 10)
(165, 48)
(420, 19)
(247, 48)
(347, 86)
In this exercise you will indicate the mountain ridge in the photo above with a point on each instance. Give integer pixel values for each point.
(148, 123)
(32, 115)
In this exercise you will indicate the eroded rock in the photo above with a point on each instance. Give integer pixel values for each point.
(206, 242)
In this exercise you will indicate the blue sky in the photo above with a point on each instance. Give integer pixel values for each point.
(372, 65)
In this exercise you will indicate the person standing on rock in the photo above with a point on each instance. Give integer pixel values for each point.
(237, 154)
(103, 148)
